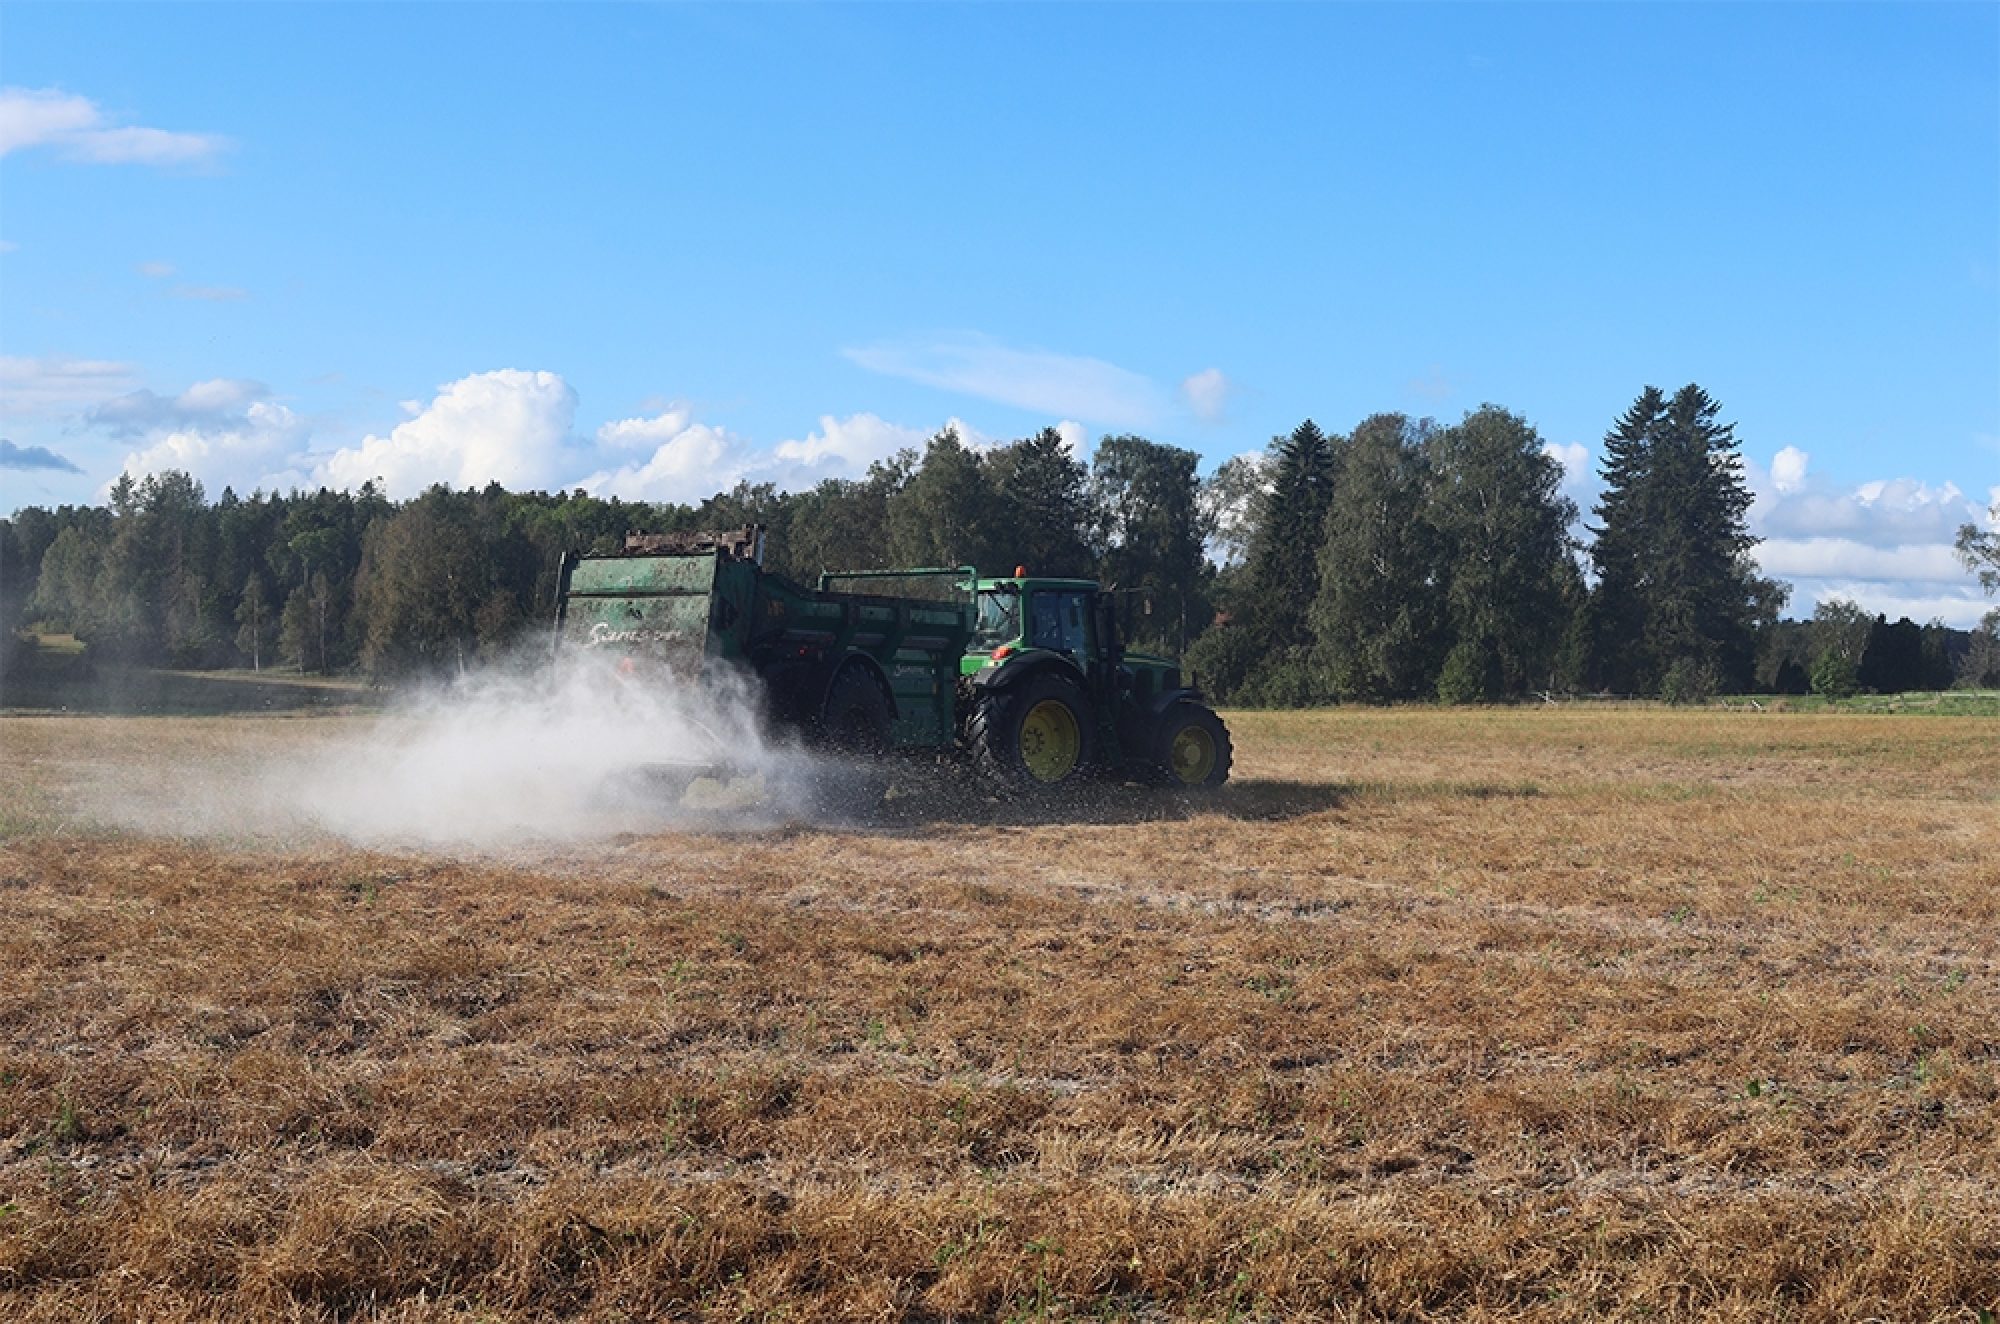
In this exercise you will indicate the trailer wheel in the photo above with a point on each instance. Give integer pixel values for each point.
(1192, 750)
(856, 716)
(1033, 738)
(854, 725)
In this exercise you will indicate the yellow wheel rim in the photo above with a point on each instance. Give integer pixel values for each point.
(1192, 754)
(1051, 741)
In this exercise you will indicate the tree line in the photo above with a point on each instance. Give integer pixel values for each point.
(336, 580)
(1401, 560)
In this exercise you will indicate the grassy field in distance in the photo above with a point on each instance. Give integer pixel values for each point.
(1550, 1014)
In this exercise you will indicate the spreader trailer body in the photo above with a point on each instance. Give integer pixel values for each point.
(1024, 679)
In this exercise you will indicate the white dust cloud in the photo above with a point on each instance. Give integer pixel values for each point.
(564, 751)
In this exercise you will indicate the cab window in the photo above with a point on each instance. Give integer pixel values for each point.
(1058, 620)
(999, 620)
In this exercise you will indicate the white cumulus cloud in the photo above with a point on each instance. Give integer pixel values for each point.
(696, 462)
(511, 427)
(1885, 544)
(640, 433)
(1574, 459)
(1847, 559)
(244, 450)
(77, 129)
(852, 443)
(1885, 512)
(1788, 468)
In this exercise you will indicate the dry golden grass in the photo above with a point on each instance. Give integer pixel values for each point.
(1542, 1015)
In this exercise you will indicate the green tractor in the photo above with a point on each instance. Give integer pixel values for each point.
(1025, 679)
(1049, 692)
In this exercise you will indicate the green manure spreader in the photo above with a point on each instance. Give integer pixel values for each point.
(1023, 679)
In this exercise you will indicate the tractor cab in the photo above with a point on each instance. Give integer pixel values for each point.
(1019, 614)
(1074, 619)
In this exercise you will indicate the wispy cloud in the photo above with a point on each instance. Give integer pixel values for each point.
(1433, 385)
(78, 130)
(1071, 385)
(1207, 393)
(156, 270)
(202, 404)
(210, 293)
(53, 382)
(33, 457)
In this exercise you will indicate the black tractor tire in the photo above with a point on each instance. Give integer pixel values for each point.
(856, 714)
(1191, 748)
(1032, 738)
(853, 727)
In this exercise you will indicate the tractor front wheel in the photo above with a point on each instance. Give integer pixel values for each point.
(1193, 750)
(1033, 738)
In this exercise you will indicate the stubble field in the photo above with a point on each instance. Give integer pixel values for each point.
(1537, 1015)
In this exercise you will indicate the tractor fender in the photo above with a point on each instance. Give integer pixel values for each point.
(1017, 668)
(854, 657)
(1157, 708)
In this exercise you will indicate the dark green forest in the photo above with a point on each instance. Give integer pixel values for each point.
(1404, 559)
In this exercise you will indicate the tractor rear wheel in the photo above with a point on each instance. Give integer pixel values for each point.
(1192, 750)
(1033, 738)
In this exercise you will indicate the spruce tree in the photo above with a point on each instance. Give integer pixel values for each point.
(1619, 549)
(1703, 614)
(1677, 597)
(1282, 569)
(1040, 488)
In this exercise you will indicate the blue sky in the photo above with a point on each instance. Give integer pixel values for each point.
(652, 250)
